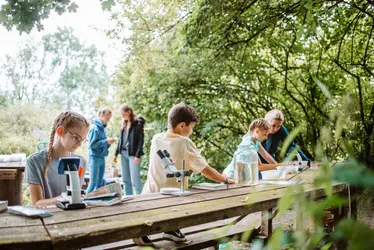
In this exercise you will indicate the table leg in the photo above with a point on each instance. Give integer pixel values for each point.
(267, 223)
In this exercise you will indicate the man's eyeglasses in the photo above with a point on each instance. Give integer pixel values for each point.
(77, 138)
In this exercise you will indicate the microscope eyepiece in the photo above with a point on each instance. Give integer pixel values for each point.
(160, 154)
(166, 153)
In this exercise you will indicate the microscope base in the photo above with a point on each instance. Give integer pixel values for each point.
(67, 206)
(180, 193)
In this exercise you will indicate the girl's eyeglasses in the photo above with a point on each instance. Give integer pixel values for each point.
(77, 138)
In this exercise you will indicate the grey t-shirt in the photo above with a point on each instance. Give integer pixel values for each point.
(55, 183)
(125, 139)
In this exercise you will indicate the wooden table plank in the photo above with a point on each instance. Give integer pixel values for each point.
(13, 165)
(11, 220)
(157, 197)
(8, 174)
(35, 237)
(125, 208)
(119, 227)
(18, 232)
(152, 201)
(136, 198)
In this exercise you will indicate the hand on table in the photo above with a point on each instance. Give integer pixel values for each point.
(288, 163)
(231, 181)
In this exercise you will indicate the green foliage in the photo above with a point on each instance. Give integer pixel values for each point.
(361, 238)
(82, 71)
(353, 173)
(236, 60)
(318, 209)
(291, 137)
(277, 241)
(28, 15)
(107, 4)
(22, 126)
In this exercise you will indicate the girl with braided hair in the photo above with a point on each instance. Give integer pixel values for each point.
(68, 133)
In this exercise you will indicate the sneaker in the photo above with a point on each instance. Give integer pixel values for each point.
(176, 236)
(143, 241)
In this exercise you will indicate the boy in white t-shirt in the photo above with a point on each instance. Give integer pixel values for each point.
(181, 120)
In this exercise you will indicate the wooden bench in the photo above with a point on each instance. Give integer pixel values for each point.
(198, 237)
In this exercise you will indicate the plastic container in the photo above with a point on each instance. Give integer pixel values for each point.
(288, 169)
(4, 158)
(273, 175)
(169, 190)
(13, 157)
(17, 157)
(246, 167)
(314, 165)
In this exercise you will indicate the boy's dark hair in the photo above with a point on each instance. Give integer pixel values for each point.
(182, 112)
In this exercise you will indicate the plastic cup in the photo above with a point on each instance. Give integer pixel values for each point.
(314, 165)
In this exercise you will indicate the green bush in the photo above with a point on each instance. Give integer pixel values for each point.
(23, 125)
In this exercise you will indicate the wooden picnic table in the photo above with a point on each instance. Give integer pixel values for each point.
(144, 215)
(11, 177)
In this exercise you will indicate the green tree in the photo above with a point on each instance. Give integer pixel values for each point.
(28, 15)
(82, 71)
(58, 69)
(22, 125)
(236, 60)
(27, 73)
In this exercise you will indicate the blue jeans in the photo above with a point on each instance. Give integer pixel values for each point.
(130, 173)
(97, 169)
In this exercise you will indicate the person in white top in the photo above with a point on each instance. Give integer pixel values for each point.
(182, 118)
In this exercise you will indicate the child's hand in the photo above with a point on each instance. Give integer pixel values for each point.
(110, 141)
(115, 159)
(288, 163)
(61, 198)
(107, 168)
(136, 160)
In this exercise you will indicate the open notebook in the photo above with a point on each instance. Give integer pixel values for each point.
(108, 201)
